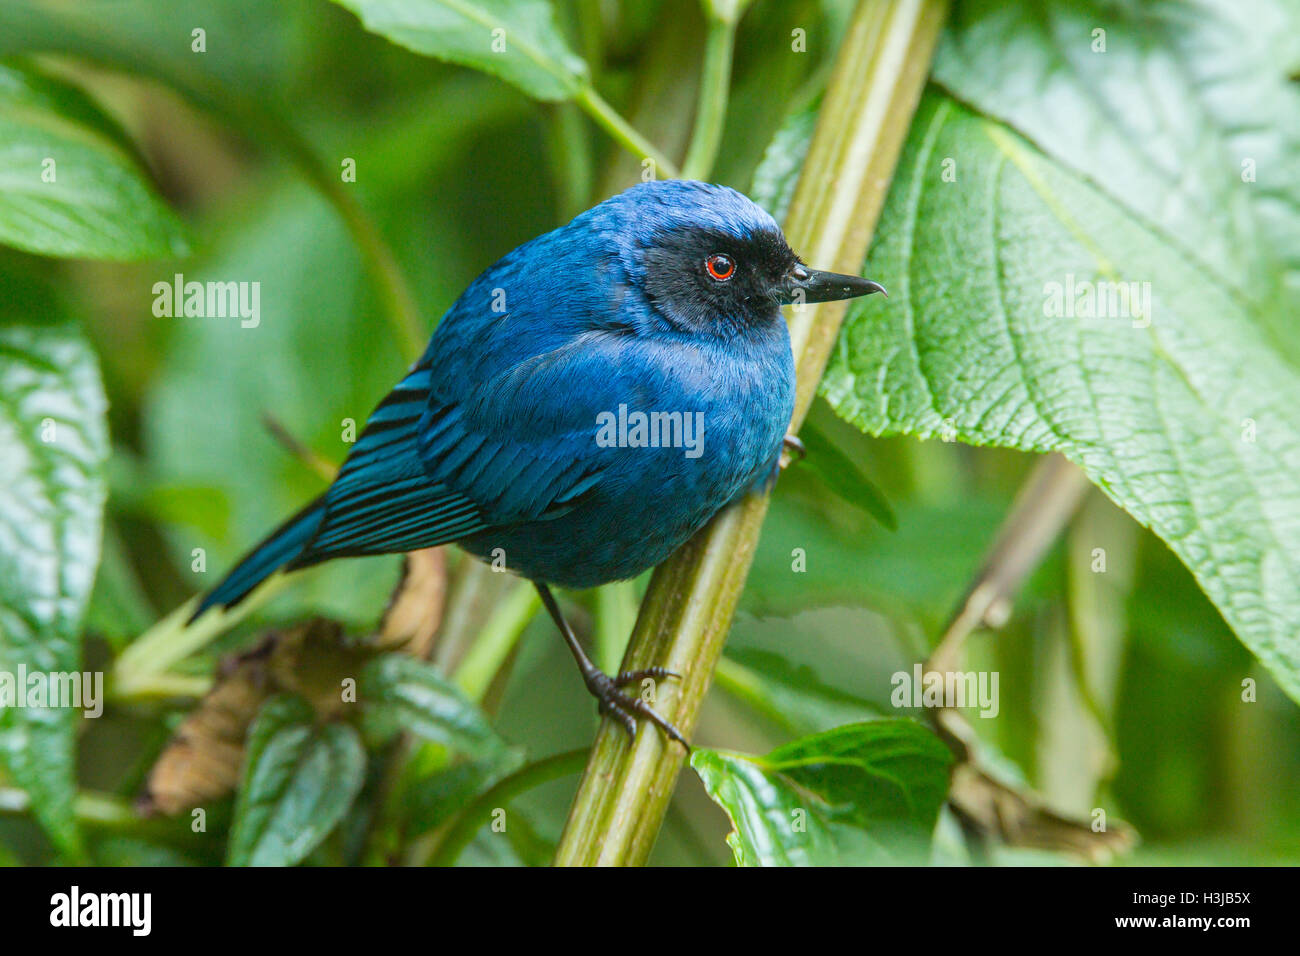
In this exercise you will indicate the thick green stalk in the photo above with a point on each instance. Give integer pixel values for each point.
(496, 640)
(880, 71)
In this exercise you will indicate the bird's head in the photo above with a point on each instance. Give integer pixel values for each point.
(710, 260)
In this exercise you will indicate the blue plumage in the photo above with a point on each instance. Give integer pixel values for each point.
(516, 430)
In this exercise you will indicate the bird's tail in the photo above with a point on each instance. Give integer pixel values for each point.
(281, 547)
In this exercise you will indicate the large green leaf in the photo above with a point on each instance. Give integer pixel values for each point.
(1123, 181)
(248, 46)
(1186, 417)
(299, 780)
(53, 441)
(68, 184)
(400, 692)
(1184, 112)
(516, 40)
(859, 794)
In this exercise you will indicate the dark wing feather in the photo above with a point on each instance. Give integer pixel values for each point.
(428, 469)
(384, 500)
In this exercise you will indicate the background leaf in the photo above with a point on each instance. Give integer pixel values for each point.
(1160, 416)
(534, 56)
(861, 793)
(53, 442)
(841, 476)
(791, 695)
(399, 691)
(778, 171)
(99, 205)
(299, 780)
(437, 797)
(310, 289)
(1215, 99)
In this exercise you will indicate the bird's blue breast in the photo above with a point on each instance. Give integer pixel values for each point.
(734, 409)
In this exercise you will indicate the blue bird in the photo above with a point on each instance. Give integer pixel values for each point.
(585, 406)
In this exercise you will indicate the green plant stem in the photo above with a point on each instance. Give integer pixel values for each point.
(1043, 507)
(472, 590)
(623, 132)
(95, 809)
(880, 71)
(1098, 605)
(615, 617)
(172, 640)
(590, 29)
(496, 640)
(566, 143)
(162, 686)
(715, 86)
(400, 311)
(468, 822)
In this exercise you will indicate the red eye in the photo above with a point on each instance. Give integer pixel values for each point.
(720, 267)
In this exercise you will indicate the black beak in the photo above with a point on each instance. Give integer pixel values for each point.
(808, 285)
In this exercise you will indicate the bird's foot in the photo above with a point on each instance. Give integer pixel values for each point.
(792, 451)
(626, 708)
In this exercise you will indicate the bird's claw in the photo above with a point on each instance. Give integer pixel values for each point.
(792, 451)
(625, 708)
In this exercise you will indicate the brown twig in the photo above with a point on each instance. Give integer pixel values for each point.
(988, 808)
(296, 447)
(1044, 506)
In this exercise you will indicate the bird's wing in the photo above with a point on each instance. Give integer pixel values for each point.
(510, 478)
(521, 443)
(384, 499)
(430, 468)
